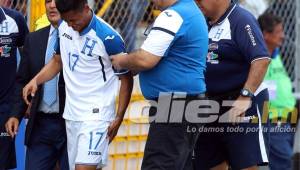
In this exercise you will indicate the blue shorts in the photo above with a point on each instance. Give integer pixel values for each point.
(242, 145)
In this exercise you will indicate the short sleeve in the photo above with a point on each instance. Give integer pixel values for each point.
(114, 45)
(163, 32)
(249, 39)
(23, 30)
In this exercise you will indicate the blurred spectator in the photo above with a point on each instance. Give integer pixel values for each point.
(282, 101)
(256, 7)
(289, 18)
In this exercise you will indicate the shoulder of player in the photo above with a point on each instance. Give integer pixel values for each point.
(63, 26)
(17, 16)
(104, 31)
(169, 15)
(38, 33)
(169, 20)
(241, 16)
(44, 29)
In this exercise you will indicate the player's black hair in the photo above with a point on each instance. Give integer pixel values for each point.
(268, 21)
(64, 6)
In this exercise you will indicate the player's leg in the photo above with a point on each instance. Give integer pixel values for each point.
(72, 129)
(85, 167)
(42, 152)
(170, 145)
(210, 153)
(222, 166)
(247, 148)
(7, 146)
(63, 162)
(251, 168)
(281, 148)
(92, 147)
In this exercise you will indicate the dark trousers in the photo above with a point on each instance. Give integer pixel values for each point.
(281, 148)
(170, 146)
(48, 144)
(7, 146)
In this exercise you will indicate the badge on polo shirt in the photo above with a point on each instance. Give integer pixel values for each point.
(212, 58)
(5, 51)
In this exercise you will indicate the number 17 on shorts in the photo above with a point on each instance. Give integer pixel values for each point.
(91, 147)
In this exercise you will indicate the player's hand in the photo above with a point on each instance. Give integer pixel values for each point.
(12, 126)
(113, 128)
(118, 60)
(27, 112)
(239, 107)
(29, 91)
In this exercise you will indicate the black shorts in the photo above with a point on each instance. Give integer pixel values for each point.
(7, 147)
(242, 145)
(170, 146)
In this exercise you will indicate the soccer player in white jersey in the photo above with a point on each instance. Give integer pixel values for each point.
(86, 43)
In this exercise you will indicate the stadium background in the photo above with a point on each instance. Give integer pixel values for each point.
(131, 18)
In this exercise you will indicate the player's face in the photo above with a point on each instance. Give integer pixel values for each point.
(78, 19)
(276, 37)
(51, 11)
(208, 7)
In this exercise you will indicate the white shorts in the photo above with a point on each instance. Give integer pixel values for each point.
(87, 143)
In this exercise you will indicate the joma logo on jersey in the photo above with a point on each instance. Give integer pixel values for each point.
(110, 37)
(168, 14)
(67, 36)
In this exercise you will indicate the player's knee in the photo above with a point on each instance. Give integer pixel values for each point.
(222, 166)
(85, 167)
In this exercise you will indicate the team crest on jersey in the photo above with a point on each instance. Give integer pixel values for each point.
(5, 51)
(212, 58)
(213, 47)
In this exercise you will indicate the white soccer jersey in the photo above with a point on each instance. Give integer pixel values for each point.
(91, 82)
